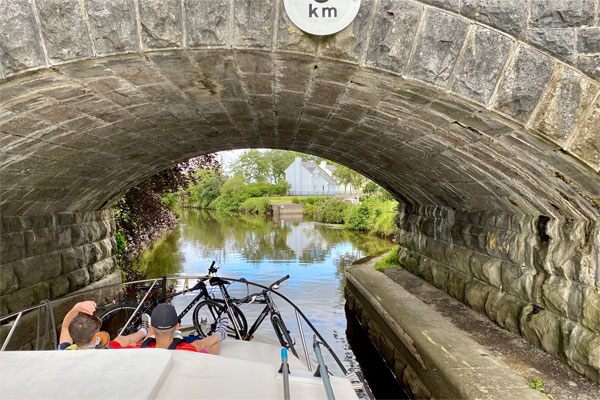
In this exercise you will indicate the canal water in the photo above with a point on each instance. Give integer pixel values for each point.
(263, 250)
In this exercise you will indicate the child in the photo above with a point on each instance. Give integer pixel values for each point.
(80, 326)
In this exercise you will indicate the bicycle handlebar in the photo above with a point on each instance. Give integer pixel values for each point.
(253, 296)
(276, 283)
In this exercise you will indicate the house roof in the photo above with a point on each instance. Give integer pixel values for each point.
(314, 169)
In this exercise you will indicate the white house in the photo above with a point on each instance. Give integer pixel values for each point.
(308, 179)
(341, 190)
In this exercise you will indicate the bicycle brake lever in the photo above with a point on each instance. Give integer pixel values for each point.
(253, 299)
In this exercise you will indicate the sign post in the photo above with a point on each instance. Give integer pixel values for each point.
(322, 17)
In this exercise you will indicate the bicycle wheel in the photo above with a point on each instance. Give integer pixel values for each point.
(117, 316)
(207, 313)
(285, 339)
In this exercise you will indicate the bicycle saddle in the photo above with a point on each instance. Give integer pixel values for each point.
(144, 289)
(216, 281)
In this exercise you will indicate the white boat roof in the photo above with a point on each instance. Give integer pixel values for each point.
(243, 370)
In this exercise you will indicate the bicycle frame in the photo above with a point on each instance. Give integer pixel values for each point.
(270, 305)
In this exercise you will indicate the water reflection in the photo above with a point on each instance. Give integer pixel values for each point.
(262, 250)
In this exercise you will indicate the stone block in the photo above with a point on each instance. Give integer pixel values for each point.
(87, 233)
(569, 96)
(40, 241)
(290, 37)
(8, 278)
(63, 237)
(509, 16)
(577, 346)
(563, 297)
(349, 43)
(408, 259)
(161, 23)
(479, 69)
(476, 295)
(374, 333)
(425, 269)
(557, 41)
(101, 269)
(78, 279)
(113, 26)
(12, 247)
(480, 262)
(594, 354)
(64, 30)
(387, 348)
(20, 47)
(249, 24)
(457, 285)
(542, 329)
(393, 34)
(451, 5)
(588, 41)
(561, 13)
(28, 272)
(438, 48)
(59, 286)
(440, 275)
(518, 281)
(73, 258)
(207, 23)
(41, 291)
(505, 310)
(399, 367)
(591, 309)
(18, 300)
(522, 83)
(437, 250)
(585, 143)
(413, 382)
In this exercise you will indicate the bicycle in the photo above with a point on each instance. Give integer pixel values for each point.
(210, 311)
(117, 316)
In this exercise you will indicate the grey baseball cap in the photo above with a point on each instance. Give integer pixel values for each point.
(164, 316)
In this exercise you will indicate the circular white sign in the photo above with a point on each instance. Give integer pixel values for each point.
(322, 17)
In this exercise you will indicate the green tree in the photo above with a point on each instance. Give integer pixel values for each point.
(347, 176)
(252, 166)
(266, 166)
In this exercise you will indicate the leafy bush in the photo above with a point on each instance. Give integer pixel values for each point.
(358, 217)
(121, 242)
(331, 210)
(172, 201)
(255, 205)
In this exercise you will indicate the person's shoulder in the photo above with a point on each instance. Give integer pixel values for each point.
(186, 346)
(67, 346)
(116, 345)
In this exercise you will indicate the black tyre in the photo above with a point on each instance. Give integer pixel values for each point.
(207, 313)
(285, 339)
(117, 316)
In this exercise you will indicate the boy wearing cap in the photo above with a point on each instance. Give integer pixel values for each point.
(164, 333)
(80, 326)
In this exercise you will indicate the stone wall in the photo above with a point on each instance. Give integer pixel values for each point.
(535, 276)
(48, 256)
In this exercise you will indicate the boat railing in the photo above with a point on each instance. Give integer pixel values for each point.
(300, 316)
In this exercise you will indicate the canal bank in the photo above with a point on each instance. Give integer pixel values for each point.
(439, 348)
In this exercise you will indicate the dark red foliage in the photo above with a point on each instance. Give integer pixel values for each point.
(141, 212)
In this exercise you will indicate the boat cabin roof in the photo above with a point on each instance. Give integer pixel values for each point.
(246, 370)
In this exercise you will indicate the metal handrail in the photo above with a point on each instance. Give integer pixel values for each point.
(12, 330)
(323, 370)
(183, 276)
(138, 307)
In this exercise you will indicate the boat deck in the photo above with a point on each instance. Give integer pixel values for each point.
(246, 370)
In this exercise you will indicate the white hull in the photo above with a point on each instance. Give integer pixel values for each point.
(243, 370)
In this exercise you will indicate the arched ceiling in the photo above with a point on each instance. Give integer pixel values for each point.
(441, 111)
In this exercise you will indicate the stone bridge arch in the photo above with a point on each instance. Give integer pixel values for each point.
(468, 111)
